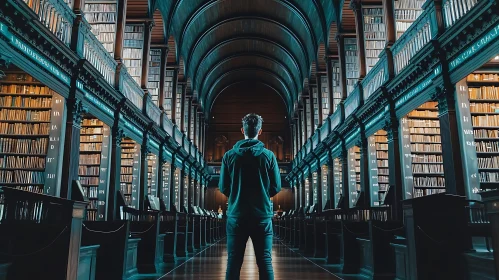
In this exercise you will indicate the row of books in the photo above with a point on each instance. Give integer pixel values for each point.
(89, 159)
(100, 17)
(409, 4)
(105, 37)
(487, 120)
(25, 128)
(489, 177)
(91, 130)
(24, 115)
(25, 101)
(424, 113)
(126, 178)
(427, 168)
(425, 138)
(25, 162)
(91, 147)
(18, 77)
(373, 12)
(427, 181)
(134, 28)
(22, 177)
(424, 130)
(415, 123)
(377, 45)
(93, 7)
(488, 77)
(420, 147)
(89, 180)
(132, 63)
(90, 138)
(91, 192)
(23, 146)
(484, 107)
(126, 170)
(425, 192)
(488, 162)
(427, 159)
(489, 92)
(410, 15)
(487, 146)
(485, 133)
(84, 170)
(24, 89)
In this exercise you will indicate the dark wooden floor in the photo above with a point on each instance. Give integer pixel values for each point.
(211, 263)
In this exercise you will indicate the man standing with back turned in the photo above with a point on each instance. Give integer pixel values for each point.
(249, 177)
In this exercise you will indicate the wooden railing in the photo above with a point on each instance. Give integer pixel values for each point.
(97, 55)
(455, 9)
(324, 130)
(153, 111)
(411, 42)
(131, 89)
(167, 125)
(178, 136)
(352, 102)
(56, 16)
(376, 77)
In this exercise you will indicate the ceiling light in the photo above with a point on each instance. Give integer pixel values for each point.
(497, 57)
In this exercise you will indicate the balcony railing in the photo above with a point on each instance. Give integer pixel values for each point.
(56, 16)
(97, 55)
(376, 77)
(335, 120)
(178, 136)
(153, 111)
(324, 130)
(130, 89)
(352, 102)
(167, 125)
(411, 42)
(455, 9)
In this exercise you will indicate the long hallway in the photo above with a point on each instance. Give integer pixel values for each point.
(210, 264)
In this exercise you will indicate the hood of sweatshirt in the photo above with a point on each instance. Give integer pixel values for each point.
(249, 147)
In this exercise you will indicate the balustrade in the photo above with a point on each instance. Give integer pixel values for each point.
(352, 102)
(167, 125)
(56, 16)
(411, 42)
(376, 77)
(153, 111)
(456, 9)
(130, 88)
(97, 55)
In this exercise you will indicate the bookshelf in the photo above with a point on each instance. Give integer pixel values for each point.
(325, 98)
(186, 115)
(133, 43)
(154, 74)
(406, 12)
(166, 184)
(176, 199)
(303, 127)
(307, 191)
(315, 104)
(309, 119)
(335, 79)
(102, 17)
(374, 34)
(325, 185)
(94, 165)
(130, 172)
(152, 174)
(478, 95)
(422, 159)
(31, 116)
(191, 125)
(186, 189)
(337, 181)
(315, 187)
(353, 175)
(351, 63)
(178, 106)
(167, 104)
(378, 166)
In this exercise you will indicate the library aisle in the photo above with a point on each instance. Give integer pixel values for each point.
(211, 263)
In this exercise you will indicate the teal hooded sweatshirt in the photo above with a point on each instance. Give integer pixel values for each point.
(249, 177)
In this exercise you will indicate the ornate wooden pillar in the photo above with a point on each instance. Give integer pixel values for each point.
(305, 122)
(365, 182)
(311, 106)
(145, 55)
(395, 172)
(181, 190)
(189, 116)
(144, 151)
(340, 39)
(300, 128)
(182, 109)
(389, 14)
(345, 174)
(173, 169)
(71, 156)
(356, 6)
(120, 30)
(162, 74)
(193, 120)
(329, 75)
(319, 187)
(174, 96)
(115, 167)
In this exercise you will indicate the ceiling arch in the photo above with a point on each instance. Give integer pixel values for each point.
(247, 74)
(250, 60)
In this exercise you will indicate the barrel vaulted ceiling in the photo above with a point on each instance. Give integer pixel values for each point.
(279, 43)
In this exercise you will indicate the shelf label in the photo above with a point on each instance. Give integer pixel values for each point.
(102, 194)
(54, 149)
(373, 169)
(406, 159)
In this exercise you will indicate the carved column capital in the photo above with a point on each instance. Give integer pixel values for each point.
(391, 127)
(5, 61)
(118, 135)
(77, 110)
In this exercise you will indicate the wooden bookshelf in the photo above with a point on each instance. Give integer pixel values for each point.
(406, 12)
(325, 98)
(335, 79)
(315, 106)
(133, 43)
(374, 34)
(422, 152)
(315, 185)
(378, 166)
(31, 117)
(186, 115)
(154, 74)
(130, 172)
(94, 165)
(176, 179)
(325, 185)
(309, 119)
(178, 106)
(186, 189)
(167, 103)
(166, 185)
(351, 63)
(353, 174)
(102, 17)
(307, 191)
(152, 174)
(338, 181)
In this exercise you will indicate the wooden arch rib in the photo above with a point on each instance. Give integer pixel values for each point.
(171, 59)
(347, 18)
(321, 57)
(158, 31)
(332, 44)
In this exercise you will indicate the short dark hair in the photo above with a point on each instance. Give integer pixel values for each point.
(252, 123)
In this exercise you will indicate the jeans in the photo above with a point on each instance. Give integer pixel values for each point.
(260, 231)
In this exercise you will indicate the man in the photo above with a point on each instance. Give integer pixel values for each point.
(249, 177)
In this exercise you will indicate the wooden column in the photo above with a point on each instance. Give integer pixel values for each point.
(201, 133)
(319, 94)
(305, 122)
(311, 107)
(145, 54)
(189, 116)
(310, 189)
(71, 155)
(174, 96)
(319, 187)
(205, 126)
(345, 174)
(329, 75)
(300, 129)
(330, 182)
(302, 192)
(173, 169)
(389, 15)
(144, 151)
(395, 166)
(161, 161)
(114, 180)
(356, 6)
(194, 121)
(182, 109)
(181, 190)
(365, 185)
(449, 133)
(120, 30)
